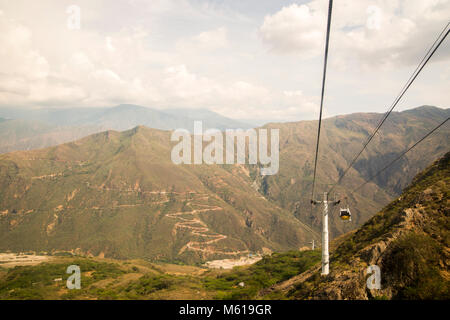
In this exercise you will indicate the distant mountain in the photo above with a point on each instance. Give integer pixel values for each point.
(52, 116)
(15, 132)
(124, 117)
(408, 240)
(119, 195)
(32, 134)
(38, 128)
(341, 138)
(210, 119)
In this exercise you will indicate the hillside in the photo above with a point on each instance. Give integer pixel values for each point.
(119, 195)
(341, 139)
(409, 240)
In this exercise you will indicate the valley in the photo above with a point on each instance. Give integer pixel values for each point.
(408, 239)
(118, 195)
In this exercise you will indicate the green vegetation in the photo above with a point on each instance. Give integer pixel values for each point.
(413, 264)
(263, 274)
(43, 281)
(435, 180)
(131, 280)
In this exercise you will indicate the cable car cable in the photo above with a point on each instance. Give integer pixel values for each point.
(408, 84)
(401, 155)
(325, 62)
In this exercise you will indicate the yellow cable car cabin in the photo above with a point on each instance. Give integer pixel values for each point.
(345, 214)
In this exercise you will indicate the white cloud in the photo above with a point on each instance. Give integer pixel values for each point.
(374, 33)
(17, 56)
(374, 18)
(296, 28)
(185, 85)
(109, 44)
(54, 93)
(208, 40)
(181, 53)
(106, 76)
(201, 91)
(98, 74)
(300, 102)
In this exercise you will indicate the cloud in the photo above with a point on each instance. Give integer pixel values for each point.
(52, 93)
(203, 54)
(200, 91)
(372, 33)
(97, 74)
(374, 18)
(17, 56)
(296, 28)
(237, 99)
(302, 103)
(185, 85)
(211, 40)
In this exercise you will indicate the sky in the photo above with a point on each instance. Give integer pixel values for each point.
(245, 59)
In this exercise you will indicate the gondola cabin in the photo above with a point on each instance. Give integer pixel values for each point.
(345, 214)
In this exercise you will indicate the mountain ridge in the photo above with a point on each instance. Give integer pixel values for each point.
(342, 138)
(118, 194)
(119, 176)
(49, 127)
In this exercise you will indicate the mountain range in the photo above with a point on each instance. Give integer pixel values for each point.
(342, 137)
(117, 194)
(27, 129)
(408, 240)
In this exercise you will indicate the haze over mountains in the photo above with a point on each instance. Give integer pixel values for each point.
(118, 194)
(27, 129)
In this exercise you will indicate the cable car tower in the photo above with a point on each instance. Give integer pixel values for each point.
(325, 252)
(312, 244)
